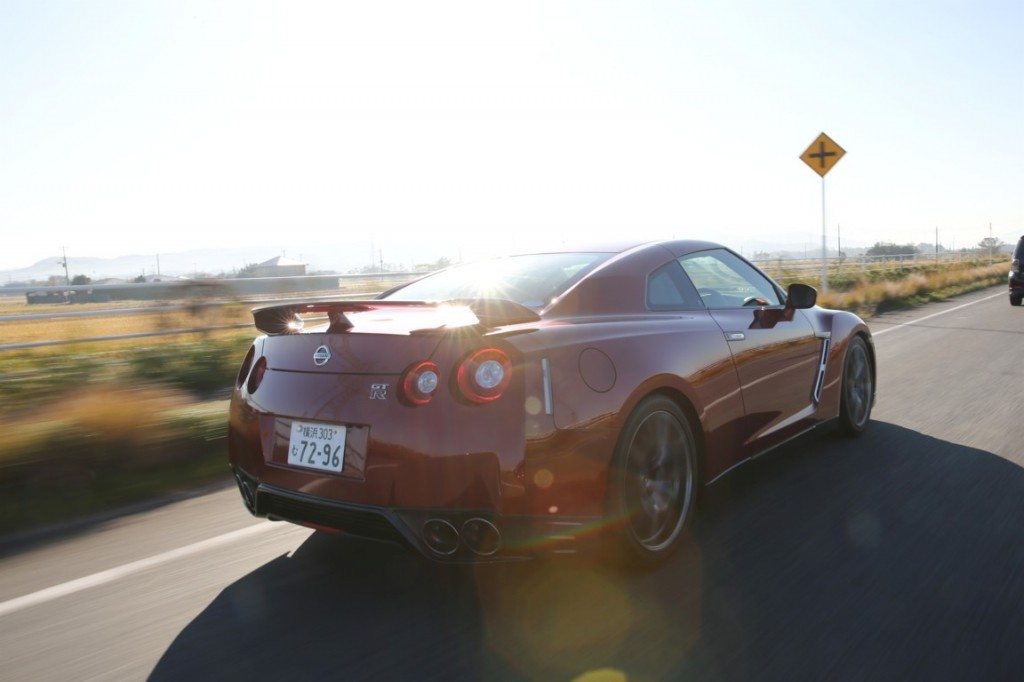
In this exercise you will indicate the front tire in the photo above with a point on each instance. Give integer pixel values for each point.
(858, 389)
(1015, 299)
(653, 482)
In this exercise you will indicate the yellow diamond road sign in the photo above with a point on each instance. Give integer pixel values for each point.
(822, 154)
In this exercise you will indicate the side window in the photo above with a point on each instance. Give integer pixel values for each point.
(723, 280)
(668, 289)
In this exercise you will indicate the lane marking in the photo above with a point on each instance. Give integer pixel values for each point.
(112, 574)
(928, 317)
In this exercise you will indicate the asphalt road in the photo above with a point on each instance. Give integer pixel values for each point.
(894, 556)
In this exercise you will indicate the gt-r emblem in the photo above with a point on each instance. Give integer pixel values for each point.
(321, 355)
(378, 391)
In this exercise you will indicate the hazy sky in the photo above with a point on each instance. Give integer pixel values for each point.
(138, 127)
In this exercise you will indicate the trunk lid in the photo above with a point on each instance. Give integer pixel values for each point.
(348, 352)
(372, 337)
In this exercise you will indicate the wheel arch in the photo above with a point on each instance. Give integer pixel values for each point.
(869, 342)
(684, 402)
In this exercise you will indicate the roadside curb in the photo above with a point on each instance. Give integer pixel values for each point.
(20, 540)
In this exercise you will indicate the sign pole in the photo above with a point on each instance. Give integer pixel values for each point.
(824, 251)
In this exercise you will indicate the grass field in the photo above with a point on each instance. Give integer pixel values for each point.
(110, 325)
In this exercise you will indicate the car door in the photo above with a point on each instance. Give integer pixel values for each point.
(775, 350)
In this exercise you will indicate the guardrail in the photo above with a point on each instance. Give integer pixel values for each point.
(888, 262)
(195, 306)
(27, 345)
(237, 285)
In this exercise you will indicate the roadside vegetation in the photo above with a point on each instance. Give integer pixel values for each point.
(88, 431)
(875, 291)
(91, 426)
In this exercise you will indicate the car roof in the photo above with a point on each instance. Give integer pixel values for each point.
(678, 247)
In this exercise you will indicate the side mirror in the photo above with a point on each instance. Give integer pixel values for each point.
(801, 296)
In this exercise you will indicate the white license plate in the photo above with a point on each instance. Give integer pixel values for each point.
(317, 446)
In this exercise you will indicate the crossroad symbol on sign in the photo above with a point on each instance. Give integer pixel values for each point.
(822, 154)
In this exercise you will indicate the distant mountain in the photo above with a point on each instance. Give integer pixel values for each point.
(213, 261)
(340, 258)
(184, 263)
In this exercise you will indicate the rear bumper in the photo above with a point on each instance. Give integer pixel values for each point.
(1016, 282)
(519, 537)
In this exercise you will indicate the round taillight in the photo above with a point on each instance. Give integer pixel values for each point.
(420, 382)
(256, 375)
(484, 375)
(246, 365)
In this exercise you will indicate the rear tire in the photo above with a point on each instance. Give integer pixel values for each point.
(652, 483)
(1015, 299)
(857, 389)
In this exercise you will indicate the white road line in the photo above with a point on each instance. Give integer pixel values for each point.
(112, 574)
(928, 317)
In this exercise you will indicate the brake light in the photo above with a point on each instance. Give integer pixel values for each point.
(484, 375)
(420, 382)
(256, 376)
(1015, 265)
(246, 364)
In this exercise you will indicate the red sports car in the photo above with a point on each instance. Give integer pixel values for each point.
(500, 409)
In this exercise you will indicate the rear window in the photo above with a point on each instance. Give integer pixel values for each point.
(669, 289)
(532, 280)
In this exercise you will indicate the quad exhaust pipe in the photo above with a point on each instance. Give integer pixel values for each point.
(480, 535)
(441, 537)
(248, 491)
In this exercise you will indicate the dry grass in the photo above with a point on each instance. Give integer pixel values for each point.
(107, 415)
(114, 324)
(106, 446)
(872, 297)
(104, 349)
(15, 305)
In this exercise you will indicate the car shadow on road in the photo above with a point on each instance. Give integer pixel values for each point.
(896, 555)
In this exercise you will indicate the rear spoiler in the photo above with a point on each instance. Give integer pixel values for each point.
(285, 319)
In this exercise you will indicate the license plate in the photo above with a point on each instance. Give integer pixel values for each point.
(317, 446)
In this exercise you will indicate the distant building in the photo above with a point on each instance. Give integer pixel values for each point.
(279, 267)
(163, 278)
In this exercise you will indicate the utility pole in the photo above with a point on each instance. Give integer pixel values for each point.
(67, 276)
(936, 243)
(990, 242)
(158, 265)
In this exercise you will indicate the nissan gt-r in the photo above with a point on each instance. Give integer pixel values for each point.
(530, 403)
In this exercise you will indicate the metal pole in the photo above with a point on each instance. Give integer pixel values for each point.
(824, 253)
(67, 275)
